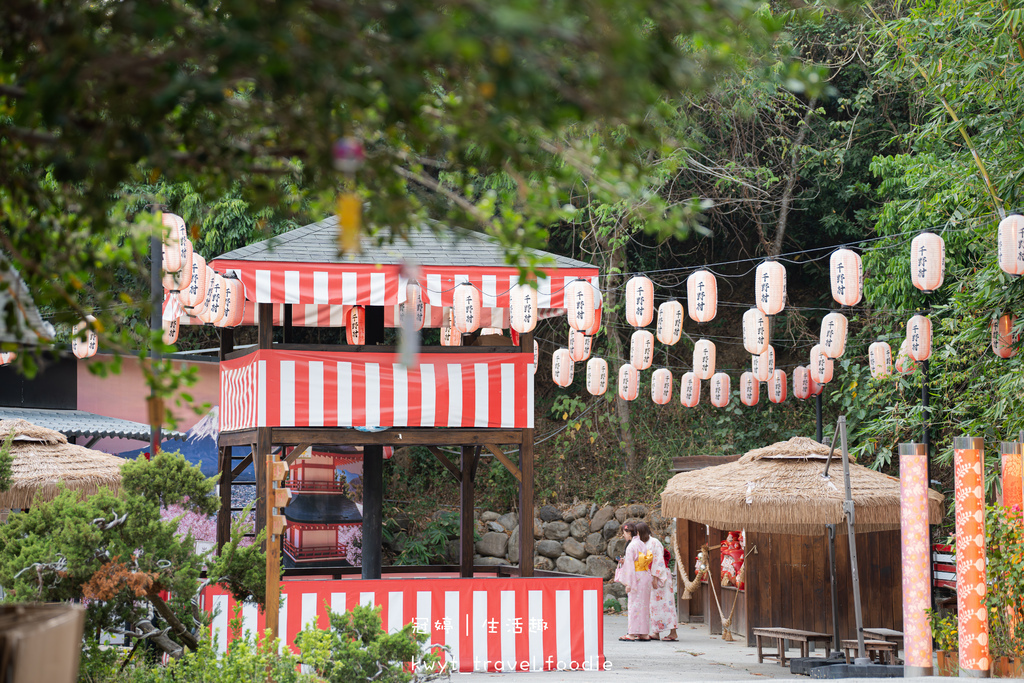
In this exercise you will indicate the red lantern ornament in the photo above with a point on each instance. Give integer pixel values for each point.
(704, 359)
(720, 390)
(661, 386)
(750, 389)
(597, 376)
(413, 309)
(846, 271)
(670, 322)
(904, 363)
(880, 360)
(763, 365)
(629, 382)
(770, 283)
(755, 332)
(639, 301)
(6, 358)
(702, 296)
(579, 346)
(85, 346)
(927, 261)
(689, 390)
(466, 308)
(355, 330)
(522, 308)
(641, 349)
(580, 304)
(833, 335)
(1003, 339)
(562, 367)
(919, 338)
(777, 387)
(1011, 244)
(194, 290)
(801, 383)
(821, 365)
(815, 387)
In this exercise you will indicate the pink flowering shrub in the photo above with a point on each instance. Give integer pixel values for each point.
(202, 527)
(352, 537)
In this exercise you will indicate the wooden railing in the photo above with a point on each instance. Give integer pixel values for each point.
(312, 485)
(320, 552)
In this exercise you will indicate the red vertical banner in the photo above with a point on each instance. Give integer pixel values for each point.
(917, 594)
(1013, 486)
(968, 465)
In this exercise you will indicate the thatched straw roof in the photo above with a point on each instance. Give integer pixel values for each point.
(43, 459)
(779, 489)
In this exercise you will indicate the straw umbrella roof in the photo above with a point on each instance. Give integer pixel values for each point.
(780, 489)
(43, 459)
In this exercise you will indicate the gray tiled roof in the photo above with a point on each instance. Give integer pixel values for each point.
(81, 423)
(318, 243)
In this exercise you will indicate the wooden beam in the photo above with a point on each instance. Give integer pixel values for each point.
(466, 515)
(396, 436)
(240, 467)
(244, 437)
(476, 461)
(373, 507)
(273, 550)
(448, 464)
(265, 330)
(526, 481)
(297, 451)
(505, 460)
(261, 450)
(224, 513)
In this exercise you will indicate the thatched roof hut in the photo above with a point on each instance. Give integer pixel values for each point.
(43, 459)
(780, 489)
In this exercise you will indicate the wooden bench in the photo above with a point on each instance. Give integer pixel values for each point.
(781, 635)
(884, 650)
(892, 635)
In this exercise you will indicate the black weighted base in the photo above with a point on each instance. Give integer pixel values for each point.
(804, 665)
(858, 671)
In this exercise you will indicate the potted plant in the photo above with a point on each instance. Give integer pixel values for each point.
(1005, 595)
(944, 633)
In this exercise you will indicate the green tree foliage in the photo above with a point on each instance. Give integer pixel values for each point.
(116, 552)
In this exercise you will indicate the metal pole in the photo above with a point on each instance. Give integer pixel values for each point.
(156, 290)
(851, 533)
(835, 590)
(817, 410)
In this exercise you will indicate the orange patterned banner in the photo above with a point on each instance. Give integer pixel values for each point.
(1012, 484)
(968, 459)
(917, 594)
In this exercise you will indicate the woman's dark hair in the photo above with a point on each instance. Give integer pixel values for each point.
(630, 527)
(643, 531)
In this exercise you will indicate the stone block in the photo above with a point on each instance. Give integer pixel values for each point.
(579, 529)
(509, 521)
(538, 529)
(492, 561)
(595, 544)
(601, 566)
(574, 548)
(616, 548)
(543, 563)
(489, 516)
(548, 548)
(492, 544)
(610, 529)
(621, 514)
(601, 517)
(570, 565)
(637, 510)
(556, 531)
(549, 513)
(513, 546)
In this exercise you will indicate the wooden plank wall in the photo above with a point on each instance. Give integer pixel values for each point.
(792, 576)
(691, 537)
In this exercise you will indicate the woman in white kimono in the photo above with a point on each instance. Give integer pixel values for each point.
(648, 583)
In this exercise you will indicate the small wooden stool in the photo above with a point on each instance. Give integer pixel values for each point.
(885, 650)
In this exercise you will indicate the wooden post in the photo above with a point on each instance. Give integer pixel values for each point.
(265, 327)
(526, 485)
(373, 504)
(682, 536)
(715, 575)
(288, 333)
(272, 545)
(227, 345)
(466, 514)
(261, 449)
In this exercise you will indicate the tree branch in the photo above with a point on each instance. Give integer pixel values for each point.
(171, 618)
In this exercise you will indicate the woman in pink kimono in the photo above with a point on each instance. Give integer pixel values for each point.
(647, 580)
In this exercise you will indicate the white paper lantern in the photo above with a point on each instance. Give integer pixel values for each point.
(755, 332)
(1011, 244)
(214, 311)
(904, 363)
(597, 376)
(175, 230)
(1003, 338)
(413, 310)
(176, 280)
(670, 322)
(562, 367)
(579, 346)
(580, 304)
(833, 335)
(880, 359)
(821, 366)
(234, 303)
(639, 301)
(498, 332)
(689, 390)
(466, 308)
(750, 389)
(8, 357)
(763, 365)
(704, 359)
(641, 349)
(702, 296)
(84, 345)
(522, 308)
(777, 387)
(174, 234)
(720, 390)
(927, 261)
(661, 386)
(770, 283)
(815, 386)
(170, 327)
(846, 271)
(194, 290)
(355, 329)
(536, 355)
(596, 327)
(801, 383)
(919, 338)
(629, 382)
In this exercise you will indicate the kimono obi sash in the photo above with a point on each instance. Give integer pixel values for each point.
(643, 561)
